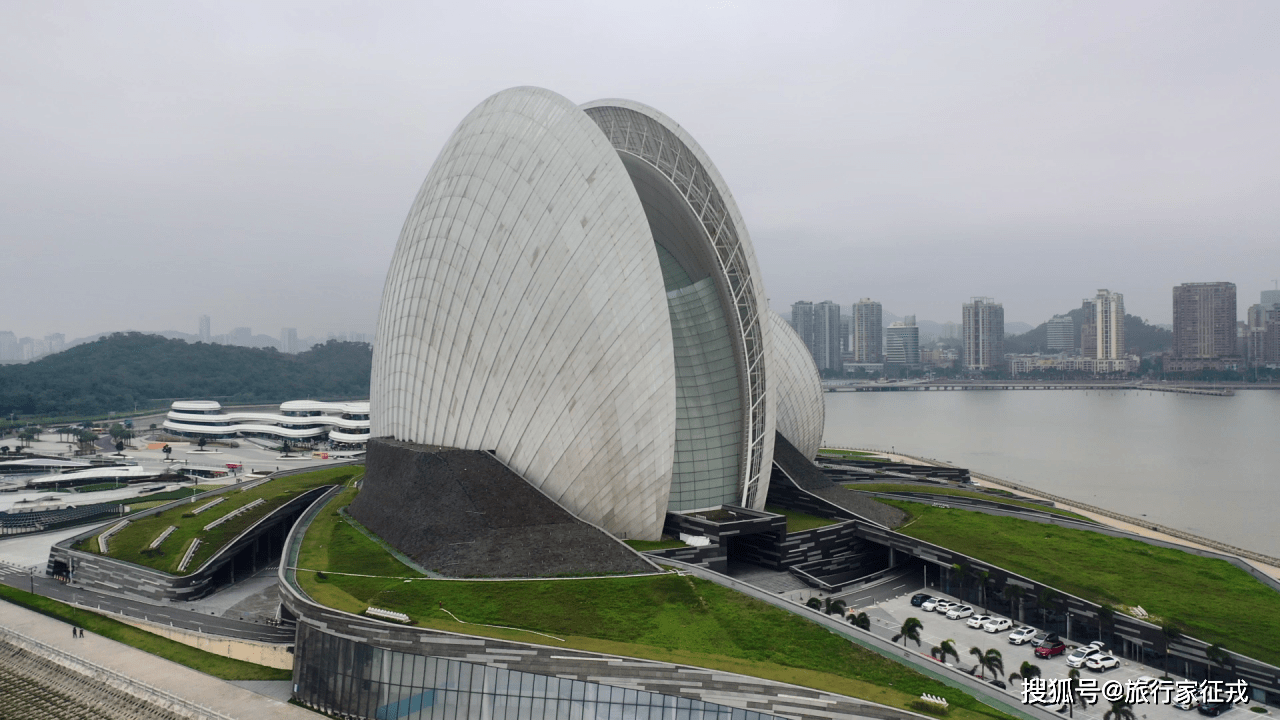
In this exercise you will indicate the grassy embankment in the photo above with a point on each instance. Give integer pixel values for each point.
(646, 545)
(852, 455)
(667, 618)
(205, 662)
(798, 521)
(1211, 600)
(130, 544)
(939, 490)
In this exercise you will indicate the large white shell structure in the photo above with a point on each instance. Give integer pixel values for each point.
(575, 290)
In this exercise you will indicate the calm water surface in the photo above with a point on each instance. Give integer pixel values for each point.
(1208, 465)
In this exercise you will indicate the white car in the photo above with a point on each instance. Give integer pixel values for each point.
(1022, 634)
(958, 612)
(1102, 663)
(1081, 655)
(930, 604)
(977, 621)
(1191, 701)
(943, 606)
(995, 625)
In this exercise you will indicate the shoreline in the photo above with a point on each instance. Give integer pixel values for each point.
(1263, 563)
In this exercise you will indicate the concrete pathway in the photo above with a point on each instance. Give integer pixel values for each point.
(197, 687)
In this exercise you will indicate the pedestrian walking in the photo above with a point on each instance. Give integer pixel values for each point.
(73, 631)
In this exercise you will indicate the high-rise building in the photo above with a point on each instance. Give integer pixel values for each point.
(868, 332)
(57, 342)
(826, 336)
(8, 346)
(1062, 333)
(240, 336)
(27, 349)
(983, 323)
(1204, 327)
(802, 321)
(902, 342)
(206, 334)
(1271, 298)
(289, 340)
(1107, 326)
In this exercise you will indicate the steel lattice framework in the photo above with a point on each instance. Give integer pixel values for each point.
(643, 136)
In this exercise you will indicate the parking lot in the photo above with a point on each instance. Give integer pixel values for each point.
(888, 614)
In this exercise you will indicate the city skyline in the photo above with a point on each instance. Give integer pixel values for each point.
(263, 153)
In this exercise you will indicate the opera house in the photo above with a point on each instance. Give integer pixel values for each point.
(575, 292)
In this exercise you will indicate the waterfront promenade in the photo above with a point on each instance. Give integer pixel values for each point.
(152, 678)
(1217, 389)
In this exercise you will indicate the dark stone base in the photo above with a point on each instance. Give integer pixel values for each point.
(808, 476)
(462, 513)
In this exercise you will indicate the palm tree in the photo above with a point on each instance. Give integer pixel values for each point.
(910, 631)
(948, 647)
(814, 603)
(962, 569)
(984, 576)
(991, 660)
(861, 620)
(1026, 672)
(1106, 616)
(1120, 710)
(1171, 634)
(1073, 688)
(1013, 593)
(977, 652)
(1047, 597)
(835, 607)
(1218, 656)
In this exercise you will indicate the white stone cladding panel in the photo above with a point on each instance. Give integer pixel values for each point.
(524, 312)
(801, 410)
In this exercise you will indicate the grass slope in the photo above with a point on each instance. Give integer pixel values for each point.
(1212, 600)
(937, 490)
(130, 544)
(798, 521)
(852, 455)
(668, 618)
(194, 658)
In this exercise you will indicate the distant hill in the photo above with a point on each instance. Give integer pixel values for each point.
(117, 371)
(1138, 335)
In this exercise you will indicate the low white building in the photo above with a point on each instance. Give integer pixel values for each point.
(303, 422)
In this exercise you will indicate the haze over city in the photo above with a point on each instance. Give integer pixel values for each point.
(256, 163)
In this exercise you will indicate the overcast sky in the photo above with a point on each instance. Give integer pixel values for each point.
(255, 161)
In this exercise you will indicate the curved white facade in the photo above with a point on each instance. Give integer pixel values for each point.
(575, 290)
(302, 420)
(801, 410)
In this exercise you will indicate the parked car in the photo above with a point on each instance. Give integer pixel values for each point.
(977, 621)
(959, 612)
(1214, 707)
(943, 606)
(918, 599)
(1102, 663)
(1081, 655)
(930, 604)
(1022, 635)
(995, 625)
(1049, 648)
(999, 683)
(1190, 702)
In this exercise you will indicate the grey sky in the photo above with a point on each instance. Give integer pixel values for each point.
(254, 162)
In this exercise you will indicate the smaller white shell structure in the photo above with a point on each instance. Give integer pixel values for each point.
(801, 410)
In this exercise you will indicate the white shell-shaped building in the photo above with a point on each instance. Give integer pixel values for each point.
(575, 290)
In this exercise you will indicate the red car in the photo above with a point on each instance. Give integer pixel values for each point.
(1049, 648)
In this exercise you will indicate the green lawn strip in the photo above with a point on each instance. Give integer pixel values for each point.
(938, 490)
(853, 455)
(667, 618)
(131, 543)
(206, 662)
(99, 486)
(798, 521)
(1209, 599)
(645, 545)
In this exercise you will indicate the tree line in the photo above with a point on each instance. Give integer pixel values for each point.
(124, 370)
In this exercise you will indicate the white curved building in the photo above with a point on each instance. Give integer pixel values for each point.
(302, 421)
(575, 290)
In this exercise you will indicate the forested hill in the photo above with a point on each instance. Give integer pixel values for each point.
(1138, 335)
(120, 370)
